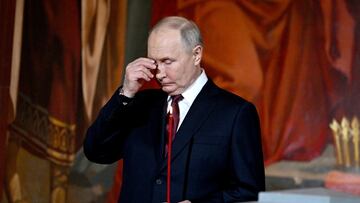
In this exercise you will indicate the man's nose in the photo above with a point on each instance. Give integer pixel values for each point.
(160, 71)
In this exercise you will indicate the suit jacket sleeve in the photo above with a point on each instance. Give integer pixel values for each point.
(247, 168)
(105, 138)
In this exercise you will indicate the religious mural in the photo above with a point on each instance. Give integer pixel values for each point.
(298, 61)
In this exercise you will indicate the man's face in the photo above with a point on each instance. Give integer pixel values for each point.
(178, 67)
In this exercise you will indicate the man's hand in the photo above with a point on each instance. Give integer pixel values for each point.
(137, 72)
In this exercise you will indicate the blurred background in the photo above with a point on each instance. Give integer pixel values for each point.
(297, 61)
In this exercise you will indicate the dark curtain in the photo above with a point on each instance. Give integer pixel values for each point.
(7, 15)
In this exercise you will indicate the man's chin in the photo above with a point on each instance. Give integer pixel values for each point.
(168, 89)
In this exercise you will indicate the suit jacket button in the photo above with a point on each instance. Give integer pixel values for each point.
(158, 181)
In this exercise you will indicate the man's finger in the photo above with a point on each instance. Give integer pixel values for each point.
(146, 62)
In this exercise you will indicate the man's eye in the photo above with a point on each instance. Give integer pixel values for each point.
(168, 62)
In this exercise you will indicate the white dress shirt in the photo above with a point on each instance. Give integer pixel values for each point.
(189, 96)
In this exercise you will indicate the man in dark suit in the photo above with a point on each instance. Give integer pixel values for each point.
(216, 154)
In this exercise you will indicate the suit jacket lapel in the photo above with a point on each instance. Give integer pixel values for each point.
(159, 125)
(197, 114)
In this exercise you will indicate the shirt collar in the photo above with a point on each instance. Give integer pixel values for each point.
(194, 89)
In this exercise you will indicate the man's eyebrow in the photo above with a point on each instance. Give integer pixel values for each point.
(166, 58)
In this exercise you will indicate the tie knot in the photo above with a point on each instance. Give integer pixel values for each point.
(176, 98)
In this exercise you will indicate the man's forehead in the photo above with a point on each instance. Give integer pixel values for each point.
(164, 44)
(161, 52)
(163, 35)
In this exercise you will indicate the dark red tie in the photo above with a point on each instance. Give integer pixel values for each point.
(171, 127)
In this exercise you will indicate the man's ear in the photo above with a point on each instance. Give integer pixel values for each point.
(197, 54)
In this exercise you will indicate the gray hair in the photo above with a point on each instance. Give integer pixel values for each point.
(189, 31)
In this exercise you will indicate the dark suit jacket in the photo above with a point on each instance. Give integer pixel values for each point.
(216, 155)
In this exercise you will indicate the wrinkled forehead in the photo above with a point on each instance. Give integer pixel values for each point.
(163, 36)
(164, 41)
